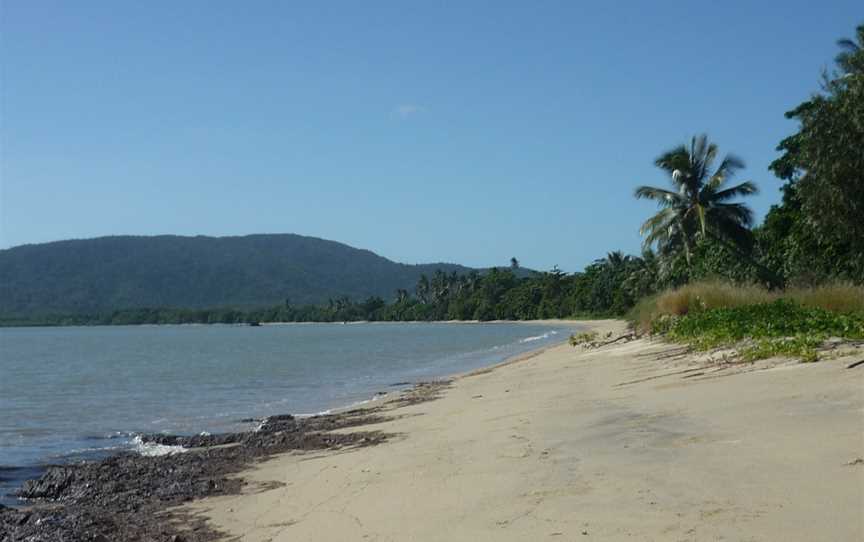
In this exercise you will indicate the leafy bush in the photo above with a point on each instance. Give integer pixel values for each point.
(583, 338)
(801, 346)
(781, 327)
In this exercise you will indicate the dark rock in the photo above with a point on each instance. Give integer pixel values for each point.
(124, 497)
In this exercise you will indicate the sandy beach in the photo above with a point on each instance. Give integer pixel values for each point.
(631, 441)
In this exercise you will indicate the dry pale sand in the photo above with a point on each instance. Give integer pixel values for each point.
(609, 444)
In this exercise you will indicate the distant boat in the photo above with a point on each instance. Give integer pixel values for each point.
(255, 324)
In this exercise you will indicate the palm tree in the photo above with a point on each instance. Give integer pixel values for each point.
(698, 206)
(615, 260)
(422, 289)
(401, 295)
(644, 278)
(851, 59)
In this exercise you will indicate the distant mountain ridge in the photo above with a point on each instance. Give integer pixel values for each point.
(123, 272)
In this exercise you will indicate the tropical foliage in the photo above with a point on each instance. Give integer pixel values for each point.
(818, 231)
(701, 204)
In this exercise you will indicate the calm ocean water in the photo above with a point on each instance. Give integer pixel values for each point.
(72, 393)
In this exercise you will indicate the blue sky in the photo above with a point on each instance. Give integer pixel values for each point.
(424, 131)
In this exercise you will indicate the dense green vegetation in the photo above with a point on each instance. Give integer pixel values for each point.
(817, 231)
(781, 327)
(713, 294)
(700, 206)
(702, 230)
(499, 294)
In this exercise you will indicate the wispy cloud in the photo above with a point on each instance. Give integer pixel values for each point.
(405, 111)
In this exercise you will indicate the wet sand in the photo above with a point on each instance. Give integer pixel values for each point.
(632, 441)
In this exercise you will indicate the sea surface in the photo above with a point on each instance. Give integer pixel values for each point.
(74, 393)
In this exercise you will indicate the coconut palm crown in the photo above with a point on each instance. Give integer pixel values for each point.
(851, 58)
(700, 204)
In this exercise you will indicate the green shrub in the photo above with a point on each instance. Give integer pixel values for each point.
(802, 347)
(583, 338)
(782, 327)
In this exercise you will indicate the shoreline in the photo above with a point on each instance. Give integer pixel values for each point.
(380, 400)
(545, 321)
(601, 326)
(491, 448)
(639, 440)
(349, 403)
(48, 490)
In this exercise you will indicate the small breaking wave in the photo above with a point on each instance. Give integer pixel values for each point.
(538, 337)
(152, 449)
(356, 404)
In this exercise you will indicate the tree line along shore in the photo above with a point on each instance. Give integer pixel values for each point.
(702, 252)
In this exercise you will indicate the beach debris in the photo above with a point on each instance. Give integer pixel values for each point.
(422, 392)
(589, 339)
(855, 364)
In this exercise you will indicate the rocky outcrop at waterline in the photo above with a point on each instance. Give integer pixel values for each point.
(126, 497)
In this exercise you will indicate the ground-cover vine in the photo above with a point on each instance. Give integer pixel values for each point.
(779, 328)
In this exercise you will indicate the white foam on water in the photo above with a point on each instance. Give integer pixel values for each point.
(538, 337)
(260, 425)
(152, 449)
(313, 414)
(355, 404)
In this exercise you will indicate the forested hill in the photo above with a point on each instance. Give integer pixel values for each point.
(122, 272)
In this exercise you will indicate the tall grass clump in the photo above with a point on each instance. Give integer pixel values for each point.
(837, 297)
(758, 322)
(695, 297)
(643, 313)
(707, 295)
(653, 313)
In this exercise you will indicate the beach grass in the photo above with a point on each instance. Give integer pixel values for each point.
(762, 323)
(714, 294)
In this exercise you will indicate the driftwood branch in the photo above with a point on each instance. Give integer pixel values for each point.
(655, 377)
(629, 336)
